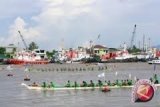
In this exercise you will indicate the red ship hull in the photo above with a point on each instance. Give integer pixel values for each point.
(18, 62)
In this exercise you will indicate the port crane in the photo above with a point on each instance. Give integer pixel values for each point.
(133, 36)
(26, 47)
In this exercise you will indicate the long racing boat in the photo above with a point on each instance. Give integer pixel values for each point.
(75, 88)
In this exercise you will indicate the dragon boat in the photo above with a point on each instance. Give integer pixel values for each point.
(30, 87)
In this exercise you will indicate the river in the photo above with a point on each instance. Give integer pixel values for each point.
(12, 94)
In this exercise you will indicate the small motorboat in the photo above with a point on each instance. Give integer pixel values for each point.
(27, 78)
(105, 89)
(9, 75)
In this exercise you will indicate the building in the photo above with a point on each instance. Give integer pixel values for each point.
(100, 50)
(11, 48)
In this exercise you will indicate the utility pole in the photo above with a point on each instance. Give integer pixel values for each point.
(149, 43)
(139, 44)
(143, 42)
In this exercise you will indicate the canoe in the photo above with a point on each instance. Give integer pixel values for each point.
(74, 88)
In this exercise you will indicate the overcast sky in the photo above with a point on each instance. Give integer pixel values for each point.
(72, 23)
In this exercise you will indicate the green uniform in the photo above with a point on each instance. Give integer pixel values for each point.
(51, 84)
(100, 84)
(84, 84)
(68, 84)
(91, 84)
(44, 85)
(75, 84)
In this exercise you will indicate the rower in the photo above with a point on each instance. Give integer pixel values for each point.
(52, 84)
(155, 76)
(34, 84)
(75, 84)
(84, 84)
(44, 85)
(151, 79)
(100, 84)
(124, 83)
(91, 84)
(155, 79)
(129, 82)
(117, 83)
(109, 83)
(68, 84)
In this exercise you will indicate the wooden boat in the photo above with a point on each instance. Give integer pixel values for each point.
(75, 88)
(26, 79)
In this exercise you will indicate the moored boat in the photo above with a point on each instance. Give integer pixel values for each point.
(156, 61)
(29, 57)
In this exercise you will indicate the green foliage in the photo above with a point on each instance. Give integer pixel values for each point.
(50, 54)
(32, 46)
(2, 50)
(134, 49)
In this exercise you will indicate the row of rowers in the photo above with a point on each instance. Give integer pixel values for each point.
(99, 83)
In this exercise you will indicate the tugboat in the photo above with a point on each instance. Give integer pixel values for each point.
(27, 56)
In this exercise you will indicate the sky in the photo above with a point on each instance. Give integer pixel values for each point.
(53, 24)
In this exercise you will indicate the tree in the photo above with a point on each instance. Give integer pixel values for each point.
(50, 54)
(2, 50)
(134, 49)
(32, 46)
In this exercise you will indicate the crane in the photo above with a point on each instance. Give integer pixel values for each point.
(133, 36)
(26, 47)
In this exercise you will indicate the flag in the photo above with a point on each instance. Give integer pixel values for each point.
(98, 36)
(130, 76)
(26, 69)
(9, 68)
(116, 73)
(135, 78)
(101, 75)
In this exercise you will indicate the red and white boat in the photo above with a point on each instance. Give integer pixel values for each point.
(29, 57)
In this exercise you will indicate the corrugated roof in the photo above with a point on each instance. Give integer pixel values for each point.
(100, 46)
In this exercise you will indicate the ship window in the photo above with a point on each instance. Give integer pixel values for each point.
(37, 51)
(42, 51)
(42, 57)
